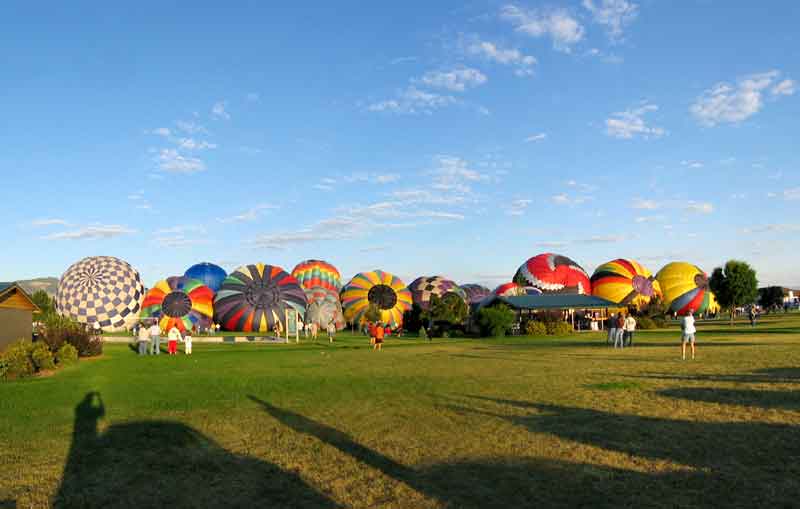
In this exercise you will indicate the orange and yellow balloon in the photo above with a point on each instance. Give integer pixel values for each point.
(382, 289)
(625, 282)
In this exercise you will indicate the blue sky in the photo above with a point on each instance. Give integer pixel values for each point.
(421, 138)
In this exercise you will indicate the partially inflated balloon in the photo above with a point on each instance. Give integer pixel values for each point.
(625, 282)
(211, 275)
(318, 274)
(514, 290)
(256, 297)
(553, 273)
(475, 293)
(179, 302)
(323, 311)
(382, 289)
(423, 288)
(685, 287)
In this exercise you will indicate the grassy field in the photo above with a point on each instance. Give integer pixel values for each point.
(515, 422)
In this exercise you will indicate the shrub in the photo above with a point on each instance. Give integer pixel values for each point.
(535, 328)
(58, 330)
(17, 361)
(645, 323)
(67, 354)
(41, 356)
(559, 328)
(495, 320)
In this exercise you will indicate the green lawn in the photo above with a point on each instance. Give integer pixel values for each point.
(508, 423)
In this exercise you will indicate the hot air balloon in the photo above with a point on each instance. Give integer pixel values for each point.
(386, 291)
(255, 297)
(514, 290)
(318, 274)
(322, 311)
(101, 289)
(625, 282)
(553, 273)
(685, 287)
(180, 302)
(475, 293)
(209, 274)
(424, 287)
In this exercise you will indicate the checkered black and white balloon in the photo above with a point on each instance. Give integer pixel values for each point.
(101, 289)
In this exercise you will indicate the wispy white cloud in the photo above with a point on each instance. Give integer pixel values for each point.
(639, 203)
(555, 244)
(791, 194)
(733, 103)
(182, 230)
(249, 215)
(615, 15)
(49, 222)
(402, 60)
(456, 80)
(170, 160)
(535, 137)
(522, 63)
(373, 249)
(412, 101)
(692, 164)
(92, 232)
(219, 110)
(161, 131)
(559, 24)
(189, 127)
(518, 207)
(648, 219)
(601, 239)
(566, 199)
(699, 207)
(180, 241)
(773, 228)
(192, 144)
(630, 123)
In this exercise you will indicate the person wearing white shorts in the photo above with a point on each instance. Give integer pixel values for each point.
(689, 330)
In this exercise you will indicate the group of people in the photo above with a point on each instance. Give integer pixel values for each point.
(621, 329)
(377, 331)
(311, 329)
(148, 339)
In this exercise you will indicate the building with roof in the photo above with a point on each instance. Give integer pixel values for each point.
(589, 308)
(16, 314)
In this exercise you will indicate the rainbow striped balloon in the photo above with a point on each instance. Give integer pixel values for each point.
(685, 287)
(384, 290)
(318, 274)
(625, 282)
(179, 302)
(255, 297)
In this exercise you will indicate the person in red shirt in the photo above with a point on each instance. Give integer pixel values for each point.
(378, 337)
(371, 328)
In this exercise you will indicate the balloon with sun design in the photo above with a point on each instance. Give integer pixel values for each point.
(179, 302)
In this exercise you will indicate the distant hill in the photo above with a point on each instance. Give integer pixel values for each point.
(48, 284)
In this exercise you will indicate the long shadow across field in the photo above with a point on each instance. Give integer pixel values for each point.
(743, 464)
(789, 375)
(511, 482)
(168, 464)
(786, 400)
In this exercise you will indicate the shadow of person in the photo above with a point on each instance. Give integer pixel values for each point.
(746, 463)
(507, 482)
(787, 400)
(163, 463)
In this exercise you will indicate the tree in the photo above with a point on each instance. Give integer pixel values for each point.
(495, 320)
(446, 312)
(734, 285)
(770, 297)
(412, 319)
(373, 313)
(45, 303)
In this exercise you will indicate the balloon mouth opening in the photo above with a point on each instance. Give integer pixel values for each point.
(643, 286)
(382, 296)
(701, 281)
(262, 296)
(176, 305)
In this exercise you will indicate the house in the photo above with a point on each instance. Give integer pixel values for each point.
(790, 296)
(16, 314)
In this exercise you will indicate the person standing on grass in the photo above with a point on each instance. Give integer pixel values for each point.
(143, 339)
(173, 337)
(331, 330)
(371, 332)
(155, 338)
(612, 330)
(187, 342)
(620, 330)
(689, 330)
(752, 316)
(378, 336)
(630, 326)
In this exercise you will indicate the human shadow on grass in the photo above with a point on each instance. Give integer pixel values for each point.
(787, 400)
(789, 375)
(508, 482)
(168, 464)
(745, 464)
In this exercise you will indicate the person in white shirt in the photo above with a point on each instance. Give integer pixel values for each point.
(173, 337)
(143, 338)
(630, 326)
(331, 330)
(155, 338)
(689, 330)
(187, 342)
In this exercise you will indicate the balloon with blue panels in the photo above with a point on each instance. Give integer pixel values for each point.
(209, 274)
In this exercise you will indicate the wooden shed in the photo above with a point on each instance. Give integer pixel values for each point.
(16, 314)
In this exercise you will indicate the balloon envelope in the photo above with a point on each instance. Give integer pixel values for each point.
(386, 291)
(256, 297)
(179, 302)
(553, 273)
(625, 282)
(424, 287)
(101, 289)
(685, 287)
(318, 274)
(209, 274)
(475, 293)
